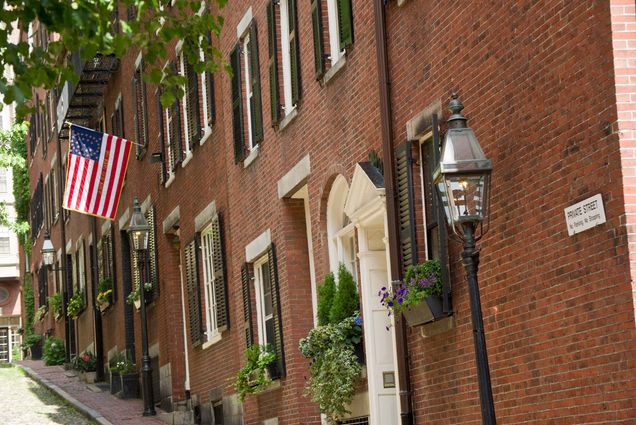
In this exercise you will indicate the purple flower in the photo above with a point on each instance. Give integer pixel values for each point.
(358, 321)
(400, 300)
(383, 288)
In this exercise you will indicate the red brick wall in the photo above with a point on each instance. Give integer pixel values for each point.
(538, 87)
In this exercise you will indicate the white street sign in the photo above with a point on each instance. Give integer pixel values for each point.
(585, 215)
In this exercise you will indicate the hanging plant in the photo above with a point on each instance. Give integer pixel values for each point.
(40, 313)
(420, 281)
(104, 293)
(134, 294)
(75, 305)
(55, 301)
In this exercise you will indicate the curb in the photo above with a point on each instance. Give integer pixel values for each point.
(84, 409)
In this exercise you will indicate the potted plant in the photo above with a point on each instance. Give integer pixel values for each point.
(34, 343)
(86, 364)
(40, 313)
(104, 293)
(419, 299)
(335, 367)
(129, 379)
(254, 376)
(113, 368)
(55, 301)
(75, 305)
(133, 297)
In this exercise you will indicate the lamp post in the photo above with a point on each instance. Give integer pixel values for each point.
(138, 231)
(463, 181)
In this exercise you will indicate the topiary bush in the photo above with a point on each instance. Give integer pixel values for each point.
(326, 293)
(345, 301)
(54, 353)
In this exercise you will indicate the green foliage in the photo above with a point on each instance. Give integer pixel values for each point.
(326, 292)
(134, 294)
(105, 290)
(13, 155)
(85, 362)
(55, 302)
(87, 26)
(253, 377)
(75, 305)
(53, 353)
(334, 367)
(120, 363)
(421, 280)
(345, 301)
(40, 313)
(31, 340)
(29, 304)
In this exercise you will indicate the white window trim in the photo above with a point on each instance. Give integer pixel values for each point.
(207, 130)
(286, 56)
(186, 129)
(248, 90)
(260, 300)
(334, 33)
(212, 330)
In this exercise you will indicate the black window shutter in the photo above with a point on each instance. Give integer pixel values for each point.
(247, 305)
(153, 276)
(237, 104)
(273, 64)
(176, 145)
(120, 119)
(161, 136)
(220, 281)
(440, 218)
(194, 293)
(192, 104)
(406, 211)
(141, 112)
(294, 52)
(345, 23)
(209, 80)
(277, 316)
(316, 21)
(255, 102)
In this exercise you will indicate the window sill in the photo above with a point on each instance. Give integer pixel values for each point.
(187, 159)
(252, 156)
(206, 135)
(288, 119)
(169, 181)
(335, 69)
(215, 338)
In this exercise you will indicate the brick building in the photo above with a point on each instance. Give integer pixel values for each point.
(269, 179)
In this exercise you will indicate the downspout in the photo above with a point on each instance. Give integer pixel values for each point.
(60, 200)
(386, 121)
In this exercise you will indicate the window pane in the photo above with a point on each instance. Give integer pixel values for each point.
(267, 291)
(269, 332)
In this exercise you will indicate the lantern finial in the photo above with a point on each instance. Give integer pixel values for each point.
(456, 120)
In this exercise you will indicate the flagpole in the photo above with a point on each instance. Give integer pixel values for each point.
(81, 126)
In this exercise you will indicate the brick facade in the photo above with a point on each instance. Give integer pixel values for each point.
(547, 89)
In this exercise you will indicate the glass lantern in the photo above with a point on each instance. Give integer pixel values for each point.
(138, 229)
(48, 251)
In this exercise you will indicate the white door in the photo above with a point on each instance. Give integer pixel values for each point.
(379, 348)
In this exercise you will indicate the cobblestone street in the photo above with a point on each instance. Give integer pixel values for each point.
(25, 401)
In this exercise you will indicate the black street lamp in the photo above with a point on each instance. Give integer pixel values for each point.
(463, 181)
(138, 231)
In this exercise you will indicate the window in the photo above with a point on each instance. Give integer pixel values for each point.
(193, 289)
(54, 200)
(340, 230)
(5, 246)
(81, 269)
(207, 94)
(214, 285)
(268, 311)
(340, 32)
(3, 180)
(283, 17)
(37, 216)
(117, 118)
(191, 111)
(171, 136)
(217, 411)
(246, 94)
(106, 261)
(43, 286)
(140, 107)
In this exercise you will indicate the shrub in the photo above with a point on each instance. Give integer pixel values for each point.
(54, 353)
(326, 293)
(31, 340)
(85, 362)
(345, 301)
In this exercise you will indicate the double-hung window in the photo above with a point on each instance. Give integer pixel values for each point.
(140, 109)
(170, 138)
(216, 317)
(264, 309)
(340, 32)
(247, 117)
(191, 111)
(117, 118)
(281, 14)
(207, 95)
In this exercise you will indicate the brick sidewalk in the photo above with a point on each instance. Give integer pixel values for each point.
(111, 408)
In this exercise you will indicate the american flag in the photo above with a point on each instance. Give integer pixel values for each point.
(96, 168)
